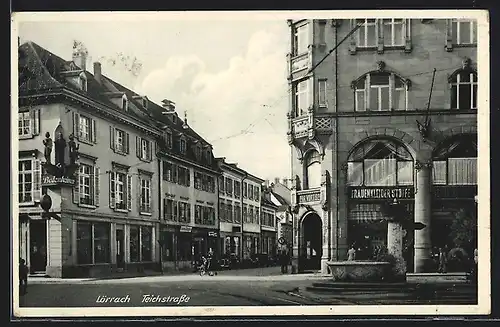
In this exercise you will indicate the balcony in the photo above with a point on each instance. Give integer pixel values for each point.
(300, 126)
(299, 63)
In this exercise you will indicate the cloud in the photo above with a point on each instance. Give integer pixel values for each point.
(220, 105)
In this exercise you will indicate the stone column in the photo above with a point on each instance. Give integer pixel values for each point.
(422, 215)
(325, 255)
(395, 247)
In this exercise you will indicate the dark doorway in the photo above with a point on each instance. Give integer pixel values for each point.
(120, 249)
(311, 246)
(38, 246)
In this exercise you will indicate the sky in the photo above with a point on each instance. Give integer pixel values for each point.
(227, 75)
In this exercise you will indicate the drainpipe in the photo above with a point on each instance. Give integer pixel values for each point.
(160, 211)
(337, 152)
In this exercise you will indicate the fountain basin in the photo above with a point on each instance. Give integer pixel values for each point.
(359, 271)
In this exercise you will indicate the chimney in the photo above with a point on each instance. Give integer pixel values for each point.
(80, 54)
(97, 71)
(169, 105)
(276, 180)
(266, 182)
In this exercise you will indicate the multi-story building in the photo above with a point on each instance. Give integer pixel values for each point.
(365, 130)
(230, 207)
(268, 224)
(251, 191)
(106, 219)
(188, 192)
(280, 196)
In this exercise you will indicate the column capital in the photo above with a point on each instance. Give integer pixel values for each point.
(420, 165)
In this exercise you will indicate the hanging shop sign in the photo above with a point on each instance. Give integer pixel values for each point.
(49, 180)
(212, 234)
(374, 193)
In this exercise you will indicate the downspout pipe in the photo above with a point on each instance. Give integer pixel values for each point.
(242, 204)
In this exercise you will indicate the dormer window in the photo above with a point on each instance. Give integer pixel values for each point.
(168, 139)
(83, 82)
(208, 155)
(182, 145)
(124, 102)
(198, 152)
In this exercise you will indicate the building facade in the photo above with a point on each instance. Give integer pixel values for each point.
(105, 219)
(251, 191)
(268, 225)
(365, 129)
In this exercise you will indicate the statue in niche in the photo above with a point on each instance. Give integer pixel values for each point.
(60, 145)
(48, 147)
(73, 150)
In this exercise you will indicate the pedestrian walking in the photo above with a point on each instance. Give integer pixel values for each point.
(442, 261)
(283, 257)
(23, 277)
(351, 253)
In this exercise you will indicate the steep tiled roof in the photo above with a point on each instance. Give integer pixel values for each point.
(42, 71)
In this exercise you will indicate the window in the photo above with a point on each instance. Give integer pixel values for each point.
(83, 82)
(250, 191)
(380, 92)
(198, 213)
(464, 90)
(237, 189)
(93, 242)
(168, 171)
(301, 39)
(256, 213)
(184, 176)
(184, 212)
(29, 123)
(168, 209)
(367, 34)
(84, 128)
(245, 215)
(256, 193)
(250, 215)
(182, 146)
(144, 149)
(145, 195)
(301, 97)
(222, 184)
(124, 103)
(313, 169)
(168, 140)
(245, 194)
(229, 208)
(237, 213)
(141, 243)
(30, 176)
(119, 140)
(455, 161)
(393, 32)
(380, 163)
(322, 93)
(120, 191)
(463, 31)
(229, 185)
(198, 152)
(321, 32)
(86, 189)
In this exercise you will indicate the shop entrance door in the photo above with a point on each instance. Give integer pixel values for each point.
(38, 246)
(311, 243)
(120, 249)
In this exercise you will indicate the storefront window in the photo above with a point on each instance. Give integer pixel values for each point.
(184, 247)
(134, 243)
(84, 242)
(101, 243)
(380, 163)
(146, 243)
(167, 241)
(455, 161)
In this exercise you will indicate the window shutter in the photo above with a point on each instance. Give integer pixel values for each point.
(76, 188)
(174, 210)
(139, 191)
(352, 44)
(150, 209)
(175, 172)
(129, 192)
(449, 35)
(35, 116)
(97, 190)
(37, 180)
(93, 130)
(138, 146)
(407, 31)
(150, 150)
(188, 212)
(76, 125)
(112, 137)
(112, 191)
(127, 144)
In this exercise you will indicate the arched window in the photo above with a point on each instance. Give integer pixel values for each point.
(83, 82)
(380, 163)
(455, 161)
(463, 89)
(313, 169)
(124, 102)
(380, 91)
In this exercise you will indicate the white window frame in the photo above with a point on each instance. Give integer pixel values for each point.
(366, 24)
(120, 191)
(473, 82)
(120, 140)
(298, 94)
(182, 145)
(85, 128)
(35, 191)
(322, 93)
(145, 145)
(456, 23)
(145, 195)
(393, 22)
(366, 91)
(301, 39)
(83, 177)
(27, 129)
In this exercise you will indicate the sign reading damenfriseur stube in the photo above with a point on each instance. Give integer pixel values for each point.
(381, 192)
(52, 180)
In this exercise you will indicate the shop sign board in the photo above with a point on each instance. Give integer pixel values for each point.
(374, 193)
